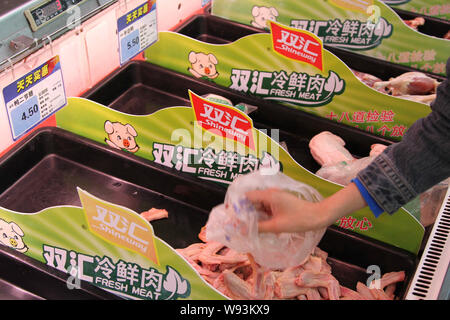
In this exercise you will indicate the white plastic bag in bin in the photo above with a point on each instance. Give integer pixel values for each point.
(235, 223)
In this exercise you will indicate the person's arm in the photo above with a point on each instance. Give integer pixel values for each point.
(291, 214)
(416, 163)
(395, 177)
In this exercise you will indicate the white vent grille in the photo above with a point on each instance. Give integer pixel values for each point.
(433, 265)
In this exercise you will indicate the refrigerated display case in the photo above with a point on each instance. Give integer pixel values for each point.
(44, 167)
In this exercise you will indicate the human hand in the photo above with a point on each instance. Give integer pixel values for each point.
(291, 214)
(287, 212)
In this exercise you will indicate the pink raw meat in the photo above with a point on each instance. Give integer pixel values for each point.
(155, 214)
(238, 276)
(409, 83)
(328, 149)
(311, 279)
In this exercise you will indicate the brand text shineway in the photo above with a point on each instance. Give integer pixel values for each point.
(224, 122)
(125, 232)
(297, 45)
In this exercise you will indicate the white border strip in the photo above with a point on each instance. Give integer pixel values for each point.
(433, 265)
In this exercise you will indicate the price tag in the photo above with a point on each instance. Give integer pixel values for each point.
(137, 30)
(34, 97)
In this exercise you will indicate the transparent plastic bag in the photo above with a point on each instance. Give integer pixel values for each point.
(431, 202)
(343, 172)
(235, 223)
(338, 164)
(425, 207)
(244, 107)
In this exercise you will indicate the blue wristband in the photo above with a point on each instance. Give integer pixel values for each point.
(374, 207)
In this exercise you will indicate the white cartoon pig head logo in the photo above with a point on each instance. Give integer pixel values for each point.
(11, 236)
(263, 14)
(121, 136)
(203, 65)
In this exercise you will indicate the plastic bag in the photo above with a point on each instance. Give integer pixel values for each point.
(425, 207)
(235, 223)
(338, 165)
(244, 107)
(431, 202)
(343, 172)
(328, 149)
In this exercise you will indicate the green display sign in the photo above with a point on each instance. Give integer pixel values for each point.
(271, 66)
(204, 141)
(107, 245)
(369, 27)
(435, 8)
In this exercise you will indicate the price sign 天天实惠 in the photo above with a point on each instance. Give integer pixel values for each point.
(137, 30)
(34, 97)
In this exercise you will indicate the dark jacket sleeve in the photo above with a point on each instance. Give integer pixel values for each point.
(418, 162)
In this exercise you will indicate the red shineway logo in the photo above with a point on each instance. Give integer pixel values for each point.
(297, 44)
(223, 121)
